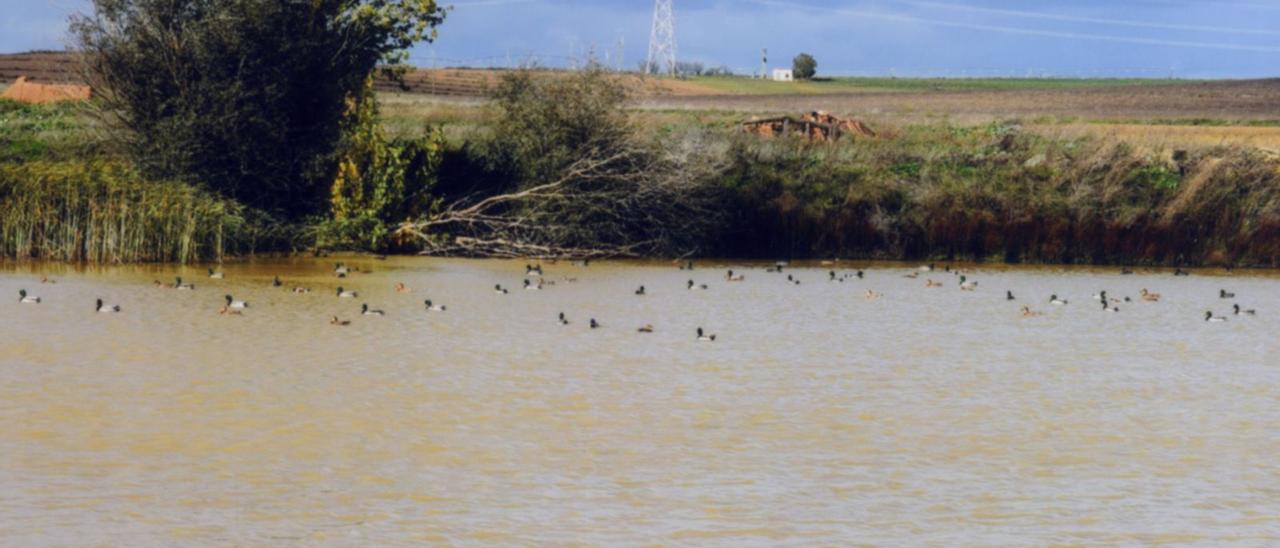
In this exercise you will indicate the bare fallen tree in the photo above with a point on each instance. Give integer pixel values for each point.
(619, 200)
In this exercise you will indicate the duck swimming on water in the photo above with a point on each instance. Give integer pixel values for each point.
(366, 311)
(1209, 317)
(216, 275)
(236, 305)
(704, 337)
(27, 299)
(107, 308)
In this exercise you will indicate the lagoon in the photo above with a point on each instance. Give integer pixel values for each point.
(927, 416)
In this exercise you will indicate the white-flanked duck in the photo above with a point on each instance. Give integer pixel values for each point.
(1224, 294)
(562, 320)
(1209, 317)
(344, 294)
(497, 288)
(532, 271)
(692, 286)
(107, 308)
(532, 286)
(966, 285)
(1055, 301)
(731, 277)
(216, 275)
(236, 305)
(705, 337)
(1249, 312)
(432, 307)
(24, 298)
(366, 311)
(340, 323)
(180, 286)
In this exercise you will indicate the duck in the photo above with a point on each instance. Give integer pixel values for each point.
(687, 265)
(497, 288)
(594, 324)
(1126, 271)
(1106, 306)
(913, 275)
(236, 305)
(532, 287)
(177, 284)
(275, 282)
(301, 290)
(730, 277)
(107, 308)
(1054, 300)
(792, 280)
(1149, 296)
(1008, 296)
(401, 288)
(366, 311)
(344, 294)
(647, 328)
(432, 307)
(640, 291)
(1181, 272)
(27, 299)
(692, 286)
(831, 276)
(1027, 312)
(704, 337)
(161, 285)
(931, 283)
(341, 323)
(46, 280)
(215, 275)
(1249, 312)
(341, 269)
(1209, 317)
(1102, 296)
(228, 311)
(860, 274)
(563, 320)
(872, 295)
(926, 268)
(1223, 294)
(966, 285)
(531, 271)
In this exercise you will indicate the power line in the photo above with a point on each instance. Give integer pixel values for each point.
(1022, 31)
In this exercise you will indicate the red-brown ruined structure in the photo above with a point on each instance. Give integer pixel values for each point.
(814, 126)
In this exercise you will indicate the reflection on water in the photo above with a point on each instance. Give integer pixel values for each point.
(929, 415)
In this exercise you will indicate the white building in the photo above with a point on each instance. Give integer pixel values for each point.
(783, 75)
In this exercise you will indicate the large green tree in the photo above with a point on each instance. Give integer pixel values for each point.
(804, 67)
(247, 97)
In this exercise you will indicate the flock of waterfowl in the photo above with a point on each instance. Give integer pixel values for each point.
(534, 281)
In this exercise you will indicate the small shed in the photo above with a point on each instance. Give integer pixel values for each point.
(783, 75)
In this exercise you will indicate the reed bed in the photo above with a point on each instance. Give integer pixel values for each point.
(103, 211)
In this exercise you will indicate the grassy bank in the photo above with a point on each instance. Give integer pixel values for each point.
(66, 195)
(738, 85)
(996, 193)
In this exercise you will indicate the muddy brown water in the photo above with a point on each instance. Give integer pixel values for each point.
(928, 416)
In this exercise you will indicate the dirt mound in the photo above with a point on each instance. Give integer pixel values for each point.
(27, 92)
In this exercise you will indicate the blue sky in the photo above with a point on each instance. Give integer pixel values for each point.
(1184, 38)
